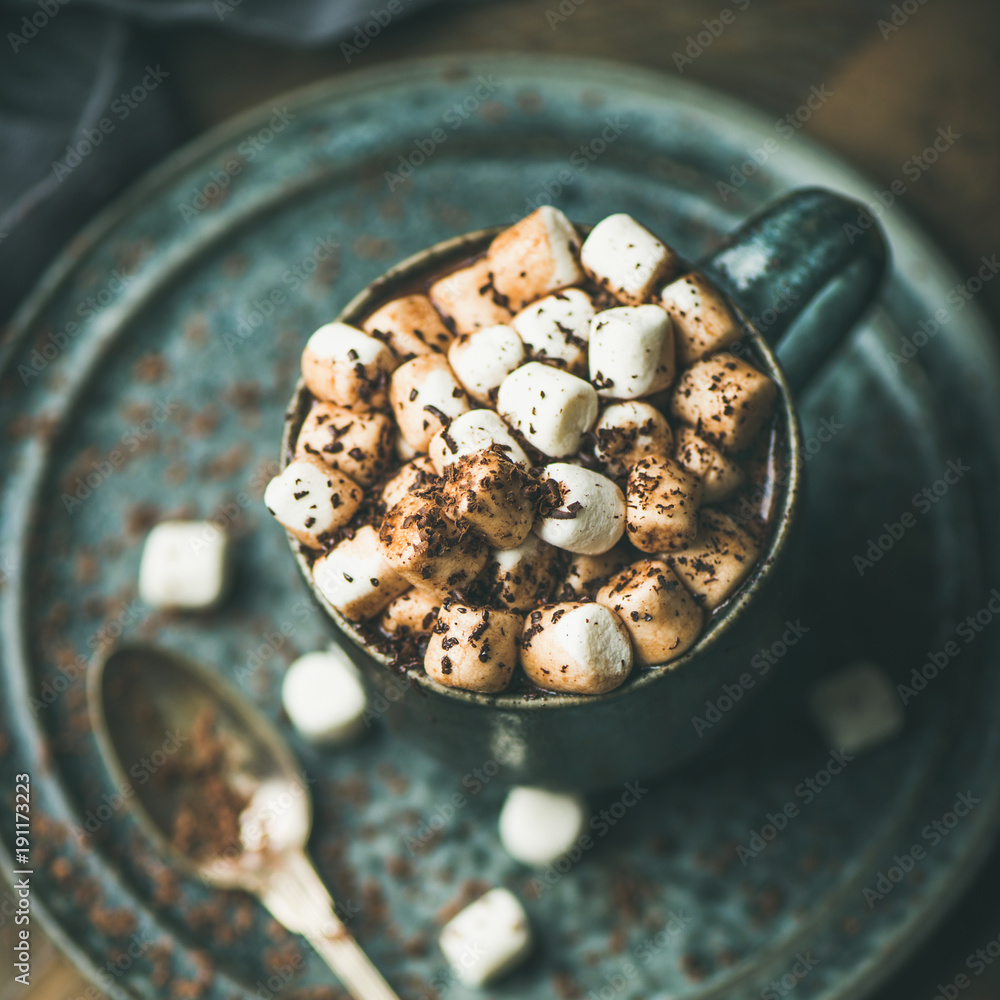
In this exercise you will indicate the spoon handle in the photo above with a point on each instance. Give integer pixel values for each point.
(297, 898)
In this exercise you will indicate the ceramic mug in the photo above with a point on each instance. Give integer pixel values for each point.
(793, 255)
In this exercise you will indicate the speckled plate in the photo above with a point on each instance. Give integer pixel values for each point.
(147, 376)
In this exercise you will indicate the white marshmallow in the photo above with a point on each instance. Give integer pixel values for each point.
(551, 408)
(343, 365)
(416, 473)
(355, 578)
(410, 326)
(518, 578)
(631, 351)
(627, 432)
(627, 259)
(537, 827)
(857, 708)
(469, 299)
(310, 500)
(703, 321)
(484, 358)
(422, 389)
(323, 697)
(474, 431)
(184, 565)
(600, 514)
(557, 328)
(488, 938)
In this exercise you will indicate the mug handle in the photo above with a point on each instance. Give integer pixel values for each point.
(813, 247)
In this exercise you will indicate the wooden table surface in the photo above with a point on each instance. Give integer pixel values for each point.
(891, 94)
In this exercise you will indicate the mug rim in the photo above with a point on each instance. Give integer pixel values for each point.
(408, 270)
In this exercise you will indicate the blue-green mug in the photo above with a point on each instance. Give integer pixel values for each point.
(802, 252)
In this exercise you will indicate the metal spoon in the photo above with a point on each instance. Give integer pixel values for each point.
(223, 784)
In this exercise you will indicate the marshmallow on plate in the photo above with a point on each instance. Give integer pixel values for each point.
(556, 329)
(535, 256)
(661, 616)
(551, 408)
(585, 573)
(427, 548)
(703, 321)
(358, 444)
(627, 259)
(856, 708)
(487, 493)
(184, 565)
(355, 577)
(629, 431)
(576, 648)
(467, 297)
(517, 578)
(417, 473)
(720, 476)
(310, 500)
(411, 613)
(537, 827)
(477, 430)
(425, 397)
(473, 648)
(323, 697)
(343, 365)
(484, 358)
(590, 517)
(631, 351)
(488, 938)
(717, 561)
(663, 500)
(410, 326)
(725, 400)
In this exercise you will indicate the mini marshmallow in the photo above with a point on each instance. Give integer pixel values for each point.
(627, 259)
(590, 518)
(343, 365)
(411, 613)
(467, 297)
(518, 578)
(410, 326)
(585, 574)
(576, 648)
(720, 476)
(626, 432)
(703, 321)
(311, 500)
(477, 430)
(357, 444)
(535, 256)
(414, 475)
(425, 396)
(487, 493)
(473, 648)
(556, 329)
(404, 451)
(551, 408)
(663, 500)
(324, 699)
(857, 708)
(725, 400)
(487, 939)
(484, 358)
(537, 827)
(184, 565)
(662, 618)
(718, 560)
(631, 351)
(427, 548)
(355, 577)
